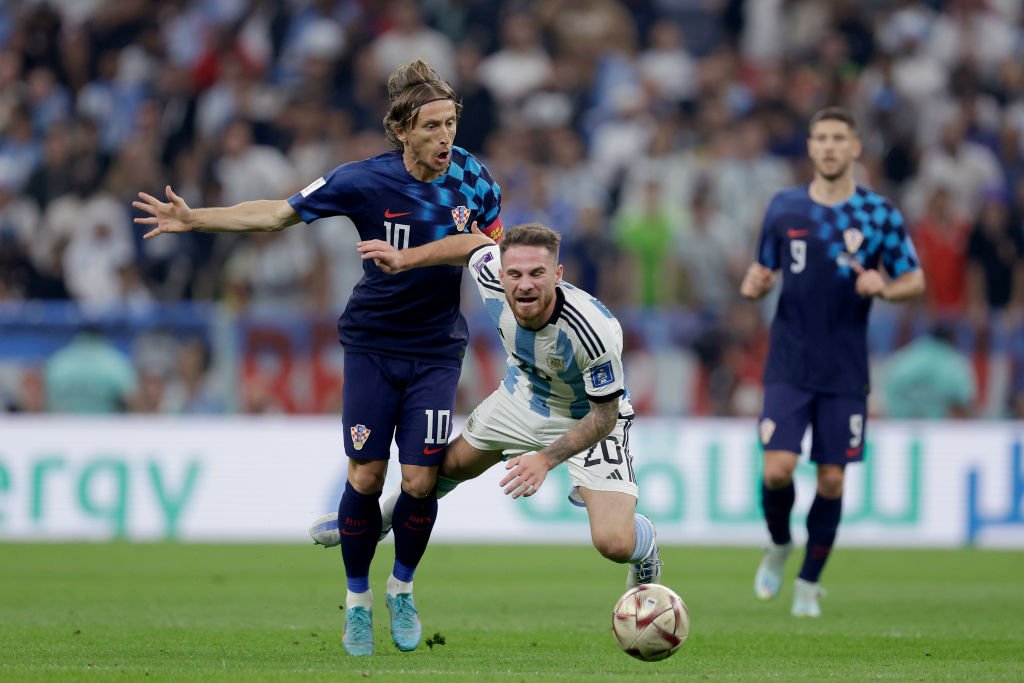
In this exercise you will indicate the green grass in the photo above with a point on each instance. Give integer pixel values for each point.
(172, 612)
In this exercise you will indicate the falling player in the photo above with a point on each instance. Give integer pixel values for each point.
(828, 240)
(404, 337)
(563, 399)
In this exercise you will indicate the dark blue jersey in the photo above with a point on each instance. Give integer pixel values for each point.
(414, 314)
(819, 334)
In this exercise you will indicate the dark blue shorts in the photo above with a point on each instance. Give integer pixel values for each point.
(838, 423)
(410, 401)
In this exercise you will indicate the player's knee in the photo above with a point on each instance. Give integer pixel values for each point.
(419, 485)
(776, 477)
(367, 478)
(616, 547)
(830, 485)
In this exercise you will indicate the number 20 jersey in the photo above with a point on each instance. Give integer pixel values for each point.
(819, 333)
(574, 359)
(414, 314)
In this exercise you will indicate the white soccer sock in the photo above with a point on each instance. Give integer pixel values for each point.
(395, 586)
(359, 599)
(643, 546)
(387, 507)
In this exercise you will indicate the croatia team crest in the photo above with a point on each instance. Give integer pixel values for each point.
(360, 433)
(853, 238)
(767, 429)
(461, 216)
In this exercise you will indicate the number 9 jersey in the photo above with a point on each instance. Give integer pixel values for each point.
(819, 333)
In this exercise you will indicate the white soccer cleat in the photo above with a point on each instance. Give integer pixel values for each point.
(325, 532)
(805, 599)
(768, 580)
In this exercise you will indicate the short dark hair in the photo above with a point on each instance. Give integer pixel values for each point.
(833, 114)
(410, 87)
(531, 235)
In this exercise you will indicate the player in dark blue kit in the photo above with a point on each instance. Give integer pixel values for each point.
(828, 240)
(404, 336)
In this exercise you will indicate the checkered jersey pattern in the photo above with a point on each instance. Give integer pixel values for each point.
(819, 333)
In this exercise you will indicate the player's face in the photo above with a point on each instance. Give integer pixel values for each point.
(832, 148)
(428, 142)
(529, 275)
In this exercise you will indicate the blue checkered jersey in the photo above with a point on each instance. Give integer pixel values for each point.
(414, 314)
(574, 359)
(819, 333)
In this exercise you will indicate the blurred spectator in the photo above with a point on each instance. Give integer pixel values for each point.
(520, 66)
(90, 375)
(408, 38)
(940, 236)
(995, 263)
(712, 252)
(98, 237)
(645, 231)
(930, 379)
(191, 389)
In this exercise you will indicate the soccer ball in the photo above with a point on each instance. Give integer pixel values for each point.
(650, 622)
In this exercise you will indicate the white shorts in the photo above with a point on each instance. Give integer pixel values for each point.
(503, 424)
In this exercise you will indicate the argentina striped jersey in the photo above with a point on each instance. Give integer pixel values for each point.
(574, 359)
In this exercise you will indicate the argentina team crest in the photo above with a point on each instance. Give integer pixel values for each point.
(556, 363)
(360, 433)
(461, 216)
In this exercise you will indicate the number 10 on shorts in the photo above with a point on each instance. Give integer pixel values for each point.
(439, 425)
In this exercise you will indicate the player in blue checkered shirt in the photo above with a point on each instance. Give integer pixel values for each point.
(404, 337)
(828, 240)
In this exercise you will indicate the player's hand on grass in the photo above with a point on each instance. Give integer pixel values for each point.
(174, 215)
(757, 281)
(387, 258)
(869, 281)
(526, 474)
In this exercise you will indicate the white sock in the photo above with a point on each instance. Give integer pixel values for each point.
(387, 507)
(395, 586)
(359, 599)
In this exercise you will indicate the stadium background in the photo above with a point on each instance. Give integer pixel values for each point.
(650, 133)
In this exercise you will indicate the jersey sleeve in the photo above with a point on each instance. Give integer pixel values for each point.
(603, 377)
(484, 265)
(489, 192)
(898, 253)
(334, 194)
(770, 242)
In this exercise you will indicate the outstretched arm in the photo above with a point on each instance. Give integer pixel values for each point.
(174, 215)
(527, 472)
(453, 250)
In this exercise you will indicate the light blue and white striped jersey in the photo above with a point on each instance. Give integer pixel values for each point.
(574, 359)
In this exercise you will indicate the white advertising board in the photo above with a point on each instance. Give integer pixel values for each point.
(266, 479)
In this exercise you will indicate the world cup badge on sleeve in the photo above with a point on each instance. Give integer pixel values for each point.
(853, 238)
(461, 216)
(360, 433)
(767, 429)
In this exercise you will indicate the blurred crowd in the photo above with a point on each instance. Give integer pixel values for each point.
(650, 133)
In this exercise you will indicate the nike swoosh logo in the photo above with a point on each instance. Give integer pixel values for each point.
(346, 532)
(431, 451)
(388, 214)
(796, 233)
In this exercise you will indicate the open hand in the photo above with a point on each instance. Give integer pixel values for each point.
(526, 474)
(170, 216)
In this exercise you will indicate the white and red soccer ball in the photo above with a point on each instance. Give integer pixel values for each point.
(650, 622)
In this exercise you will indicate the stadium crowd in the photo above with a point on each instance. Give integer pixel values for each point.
(650, 133)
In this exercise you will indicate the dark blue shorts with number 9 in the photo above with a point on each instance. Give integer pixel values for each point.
(838, 423)
(410, 400)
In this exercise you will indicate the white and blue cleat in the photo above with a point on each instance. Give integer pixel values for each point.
(405, 621)
(324, 531)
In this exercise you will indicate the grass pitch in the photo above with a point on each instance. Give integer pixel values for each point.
(171, 612)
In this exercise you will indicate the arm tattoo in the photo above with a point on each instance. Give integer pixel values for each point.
(594, 426)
